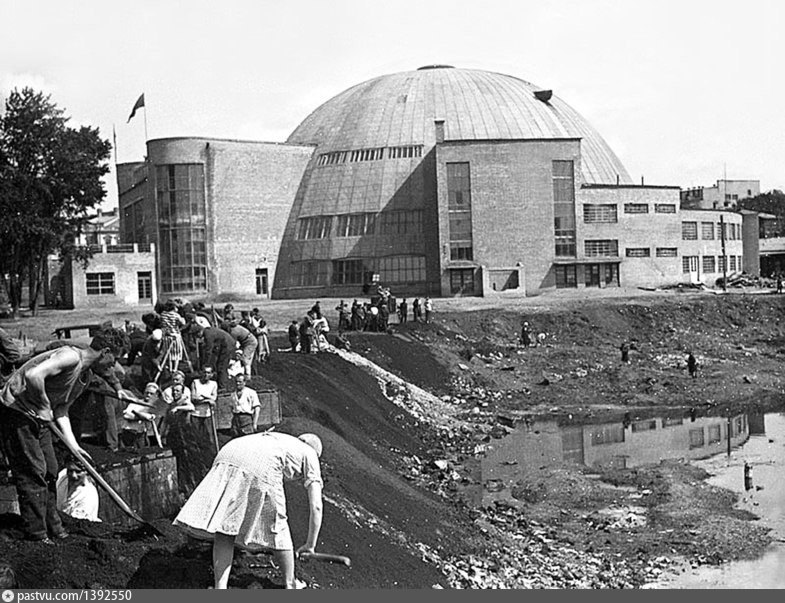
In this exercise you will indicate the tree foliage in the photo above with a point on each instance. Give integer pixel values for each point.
(50, 179)
(772, 202)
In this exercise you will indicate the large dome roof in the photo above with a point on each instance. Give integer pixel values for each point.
(400, 109)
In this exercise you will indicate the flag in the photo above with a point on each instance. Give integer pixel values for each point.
(137, 105)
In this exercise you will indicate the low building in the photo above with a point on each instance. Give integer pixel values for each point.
(711, 245)
(725, 194)
(115, 275)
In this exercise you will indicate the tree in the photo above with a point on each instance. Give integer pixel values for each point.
(50, 179)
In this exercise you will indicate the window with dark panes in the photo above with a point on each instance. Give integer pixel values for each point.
(566, 277)
(182, 223)
(709, 265)
(667, 252)
(638, 252)
(689, 231)
(99, 283)
(459, 208)
(636, 208)
(594, 213)
(664, 208)
(601, 248)
(563, 175)
(707, 230)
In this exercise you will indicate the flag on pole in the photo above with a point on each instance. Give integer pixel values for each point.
(137, 105)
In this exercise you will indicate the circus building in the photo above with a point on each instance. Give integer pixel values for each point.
(439, 181)
(447, 181)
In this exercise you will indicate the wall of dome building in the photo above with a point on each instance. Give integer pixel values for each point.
(216, 210)
(441, 181)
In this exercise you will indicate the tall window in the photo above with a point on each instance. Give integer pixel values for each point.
(709, 266)
(144, 282)
(181, 216)
(261, 281)
(459, 208)
(564, 207)
(707, 230)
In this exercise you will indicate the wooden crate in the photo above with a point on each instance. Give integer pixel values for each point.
(147, 483)
(270, 414)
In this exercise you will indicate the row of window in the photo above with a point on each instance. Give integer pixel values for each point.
(103, 283)
(355, 225)
(708, 230)
(645, 252)
(375, 154)
(711, 265)
(358, 271)
(595, 213)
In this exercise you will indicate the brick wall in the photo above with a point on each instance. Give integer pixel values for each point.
(651, 230)
(512, 204)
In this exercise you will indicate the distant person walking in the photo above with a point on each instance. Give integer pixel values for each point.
(416, 310)
(625, 352)
(403, 310)
(692, 366)
(428, 307)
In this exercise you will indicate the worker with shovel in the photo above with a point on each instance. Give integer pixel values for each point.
(38, 395)
(241, 501)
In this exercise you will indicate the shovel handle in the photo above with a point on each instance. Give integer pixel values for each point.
(96, 476)
(326, 557)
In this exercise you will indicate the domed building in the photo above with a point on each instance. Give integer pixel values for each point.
(445, 181)
(438, 181)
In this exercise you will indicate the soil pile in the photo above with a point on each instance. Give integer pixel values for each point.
(397, 486)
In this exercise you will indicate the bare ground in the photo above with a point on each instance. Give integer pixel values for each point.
(405, 519)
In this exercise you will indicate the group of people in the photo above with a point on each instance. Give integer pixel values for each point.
(374, 315)
(239, 503)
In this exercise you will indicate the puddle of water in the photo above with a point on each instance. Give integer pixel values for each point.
(621, 444)
(765, 455)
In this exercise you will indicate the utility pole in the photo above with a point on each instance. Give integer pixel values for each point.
(724, 257)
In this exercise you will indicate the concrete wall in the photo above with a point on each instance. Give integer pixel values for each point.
(125, 268)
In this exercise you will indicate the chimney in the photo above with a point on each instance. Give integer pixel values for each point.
(439, 125)
(641, 180)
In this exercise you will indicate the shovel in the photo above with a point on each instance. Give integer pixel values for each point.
(102, 482)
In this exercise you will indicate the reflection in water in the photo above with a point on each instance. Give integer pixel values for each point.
(620, 445)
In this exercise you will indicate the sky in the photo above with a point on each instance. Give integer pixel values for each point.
(685, 92)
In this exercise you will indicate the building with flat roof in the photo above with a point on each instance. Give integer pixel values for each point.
(725, 194)
(214, 208)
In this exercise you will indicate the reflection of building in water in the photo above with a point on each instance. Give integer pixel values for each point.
(618, 445)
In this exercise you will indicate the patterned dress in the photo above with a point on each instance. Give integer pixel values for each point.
(243, 493)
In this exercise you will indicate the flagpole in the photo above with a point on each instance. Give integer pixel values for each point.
(146, 138)
(114, 140)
